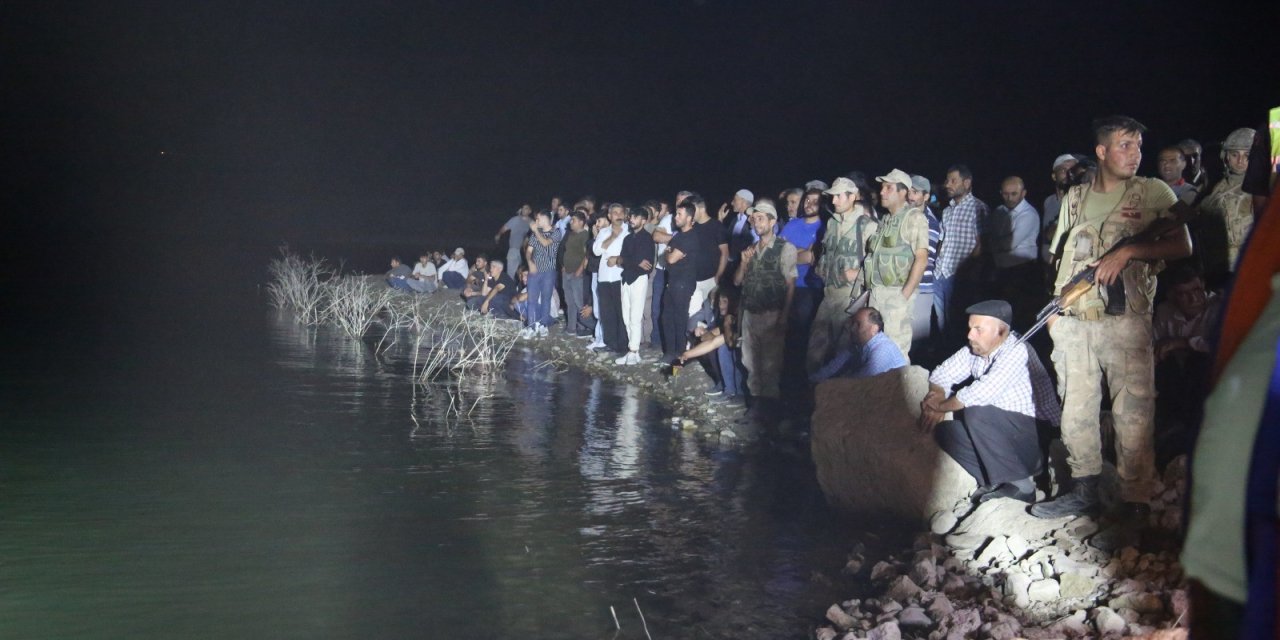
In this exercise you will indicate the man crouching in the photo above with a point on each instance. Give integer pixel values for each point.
(997, 389)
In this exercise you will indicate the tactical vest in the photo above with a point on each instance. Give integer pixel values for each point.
(1088, 241)
(763, 286)
(1235, 207)
(835, 246)
(891, 258)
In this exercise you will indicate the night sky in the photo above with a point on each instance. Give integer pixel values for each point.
(307, 121)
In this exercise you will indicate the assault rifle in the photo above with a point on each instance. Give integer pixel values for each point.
(1081, 283)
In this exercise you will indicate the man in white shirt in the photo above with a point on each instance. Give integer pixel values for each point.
(423, 279)
(453, 273)
(1012, 231)
(608, 244)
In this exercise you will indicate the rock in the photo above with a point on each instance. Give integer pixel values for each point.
(825, 633)
(962, 623)
(914, 618)
(886, 631)
(870, 457)
(1179, 603)
(890, 606)
(966, 541)
(1043, 590)
(1073, 624)
(953, 584)
(925, 573)
(1075, 585)
(1128, 585)
(1017, 546)
(1006, 518)
(942, 522)
(1064, 565)
(995, 551)
(902, 589)
(854, 566)
(1015, 589)
(1140, 602)
(1107, 621)
(1003, 628)
(940, 607)
(883, 571)
(841, 619)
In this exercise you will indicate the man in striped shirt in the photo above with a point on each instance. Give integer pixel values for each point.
(962, 223)
(997, 390)
(922, 314)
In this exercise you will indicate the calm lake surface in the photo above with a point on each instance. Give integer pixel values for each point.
(193, 463)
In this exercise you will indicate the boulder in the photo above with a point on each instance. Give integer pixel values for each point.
(871, 458)
(1108, 621)
(841, 619)
(1043, 590)
(1006, 518)
(886, 631)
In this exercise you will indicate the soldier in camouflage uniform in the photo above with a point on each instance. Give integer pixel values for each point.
(844, 247)
(899, 254)
(767, 275)
(1089, 345)
(1227, 200)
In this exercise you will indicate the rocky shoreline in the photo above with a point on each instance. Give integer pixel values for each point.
(994, 571)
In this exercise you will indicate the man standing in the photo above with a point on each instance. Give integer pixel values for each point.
(1061, 176)
(844, 248)
(874, 355)
(739, 226)
(994, 433)
(1171, 164)
(544, 244)
(713, 253)
(767, 275)
(1090, 346)
(1013, 230)
(636, 260)
(803, 232)
(661, 235)
(518, 229)
(899, 254)
(1195, 173)
(573, 274)
(608, 245)
(1228, 201)
(682, 268)
(962, 222)
(922, 312)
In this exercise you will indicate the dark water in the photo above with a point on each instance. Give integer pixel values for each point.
(195, 464)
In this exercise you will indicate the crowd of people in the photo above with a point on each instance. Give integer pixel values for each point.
(862, 275)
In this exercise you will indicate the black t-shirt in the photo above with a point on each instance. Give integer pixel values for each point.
(636, 248)
(508, 285)
(685, 271)
(711, 234)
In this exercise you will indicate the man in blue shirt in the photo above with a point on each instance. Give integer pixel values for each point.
(875, 354)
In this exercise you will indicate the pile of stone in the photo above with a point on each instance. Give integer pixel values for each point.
(994, 571)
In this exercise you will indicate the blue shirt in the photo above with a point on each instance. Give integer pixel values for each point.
(879, 355)
(803, 235)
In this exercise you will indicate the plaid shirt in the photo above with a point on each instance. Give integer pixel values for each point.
(960, 227)
(1012, 379)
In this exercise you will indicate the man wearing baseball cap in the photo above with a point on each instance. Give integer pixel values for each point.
(993, 435)
(844, 248)
(899, 253)
(1061, 176)
(767, 275)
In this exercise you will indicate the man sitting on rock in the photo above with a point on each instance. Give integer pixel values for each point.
(874, 355)
(997, 390)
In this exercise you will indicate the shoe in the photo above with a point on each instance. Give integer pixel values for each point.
(712, 392)
(595, 346)
(632, 358)
(526, 333)
(1007, 490)
(621, 360)
(982, 490)
(541, 330)
(1125, 528)
(1082, 499)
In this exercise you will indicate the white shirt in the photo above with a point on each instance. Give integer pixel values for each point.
(608, 273)
(1014, 234)
(665, 225)
(458, 265)
(428, 270)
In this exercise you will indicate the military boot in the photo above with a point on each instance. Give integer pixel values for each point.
(1124, 529)
(1082, 499)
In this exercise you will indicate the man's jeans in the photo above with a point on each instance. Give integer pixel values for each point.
(659, 284)
(573, 303)
(541, 287)
(942, 290)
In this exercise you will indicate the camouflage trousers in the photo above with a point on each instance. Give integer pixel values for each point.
(828, 333)
(1117, 349)
(763, 338)
(897, 312)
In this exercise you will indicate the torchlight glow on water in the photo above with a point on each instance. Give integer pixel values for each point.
(261, 479)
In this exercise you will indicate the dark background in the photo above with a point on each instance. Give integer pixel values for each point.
(130, 126)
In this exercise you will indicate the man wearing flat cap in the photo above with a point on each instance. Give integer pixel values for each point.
(899, 252)
(844, 249)
(993, 435)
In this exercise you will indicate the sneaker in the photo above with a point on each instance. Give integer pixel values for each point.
(1082, 499)
(541, 330)
(526, 333)
(595, 345)
(713, 392)
(632, 358)
(621, 360)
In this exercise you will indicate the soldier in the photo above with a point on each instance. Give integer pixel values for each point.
(844, 247)
(1088, 344)
(767, 275)
(899, 254)
(1228, 200)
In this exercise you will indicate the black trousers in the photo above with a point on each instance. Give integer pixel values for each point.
(613, 331)
(675, 318)
(992, 444)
